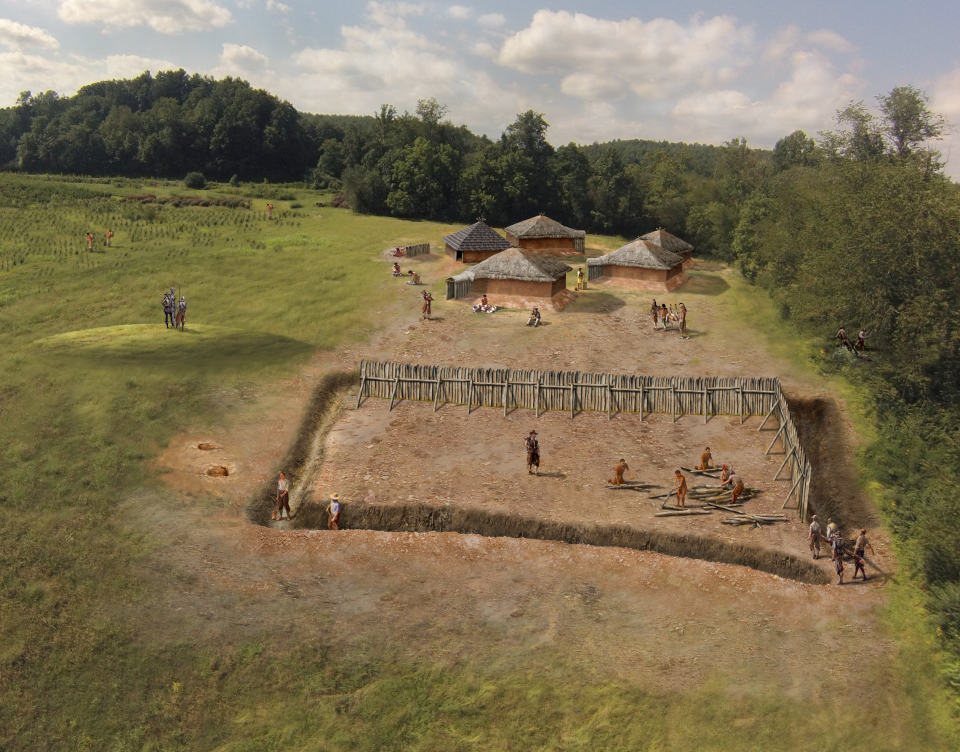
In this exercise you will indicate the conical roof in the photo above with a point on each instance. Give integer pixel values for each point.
(542, 226)
(515, 263)
(641, 253)
(476, 237)
(667, 241)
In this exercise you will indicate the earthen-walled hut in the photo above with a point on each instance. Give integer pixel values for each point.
(640, 265)
(474, 244)
(515, 278)
(547, 237)
(673, 244)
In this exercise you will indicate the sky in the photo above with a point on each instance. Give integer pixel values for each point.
(686, 70)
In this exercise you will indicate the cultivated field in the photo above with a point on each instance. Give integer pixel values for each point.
(141, 609)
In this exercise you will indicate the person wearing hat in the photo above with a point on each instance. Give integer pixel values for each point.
(814, 537)
(533, 453)
(333, 509)
(283, 497)
(534, 319)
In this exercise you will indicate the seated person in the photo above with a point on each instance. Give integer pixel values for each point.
(483, 306)
(396, 269)
(534, 318)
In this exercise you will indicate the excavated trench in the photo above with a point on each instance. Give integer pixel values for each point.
(300, 463)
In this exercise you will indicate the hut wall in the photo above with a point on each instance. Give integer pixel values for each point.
(559, 286)
(547, 246)
(475, 257)
(515, 287)
(656, 276)
(671, 273)
(449, 251)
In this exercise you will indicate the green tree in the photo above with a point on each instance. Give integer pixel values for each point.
(907, 120)
(795, 150)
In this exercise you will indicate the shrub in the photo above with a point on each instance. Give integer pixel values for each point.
(195, 180)
(235, 181)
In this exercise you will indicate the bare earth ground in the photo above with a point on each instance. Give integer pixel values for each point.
(669, 622)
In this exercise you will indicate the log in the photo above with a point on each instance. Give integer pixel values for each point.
(681, 513)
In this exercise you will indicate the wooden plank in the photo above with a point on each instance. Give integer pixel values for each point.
(396, 383)
(704, 403)
(782, 426)
(436, 397)
(802, 474)
(785, 461)
(470, 397)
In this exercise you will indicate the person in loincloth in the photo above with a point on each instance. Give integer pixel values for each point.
(283, 497)
(680, 487)
(862, 337)
(618, 472)
(725, 473)
(842, 336)
(532, 446)
(655, 314)
(333, 509)
(814, 538)
(737, 484)
(664, 316)
(683, 321)
(427, 300)
(706, 461)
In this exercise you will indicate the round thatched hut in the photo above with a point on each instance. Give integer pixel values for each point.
(671, 243)
(474, 243)
(547, 237)
(515, 278)
(640, 265)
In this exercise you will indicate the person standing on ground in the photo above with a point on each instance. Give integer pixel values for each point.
(837, 546)
(861, 340)
(618, 472)
(333, 509)
(832, 532)
(270, 211)
(858, 566)
(683, 322)
(109, 237)
(182, 313)
(90, 242)
(706, 459)
(859, 550)
(655, 313)
(168, 301)
(532, 445)
(664, 313)
(814, 538)
(427, 300)
(283, 497)
(580, 278)
(680, 486)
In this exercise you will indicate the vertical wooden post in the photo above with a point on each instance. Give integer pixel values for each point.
(436, 397)
(673, 391)
(742, 405)
(393, 393)
(641, 399)
(609, 400)
(573, 396)
(704, 402)
(536, 398)
(470, 393)
(506, 391)
(363, 381)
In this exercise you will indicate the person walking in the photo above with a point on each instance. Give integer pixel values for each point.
(580, 278)
(683, 322)
(532, 446)
(270, 211)
(427, 304)
(655, 314)
(90, 242)
(814, 538)
(837, 545)
(283, 497)
(333, 510)
(109, 237)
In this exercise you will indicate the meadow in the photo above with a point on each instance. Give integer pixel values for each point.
(92, 387)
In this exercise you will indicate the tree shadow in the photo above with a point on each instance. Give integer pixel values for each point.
(704, 284)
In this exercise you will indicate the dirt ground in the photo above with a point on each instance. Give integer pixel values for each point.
(648, 617)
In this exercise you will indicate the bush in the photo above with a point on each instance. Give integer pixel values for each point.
(234, 181)
(195, 180)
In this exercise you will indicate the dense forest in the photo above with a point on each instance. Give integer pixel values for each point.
(858, 226)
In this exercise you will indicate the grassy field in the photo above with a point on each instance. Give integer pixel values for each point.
(92, 386)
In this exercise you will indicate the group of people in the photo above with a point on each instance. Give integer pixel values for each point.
(174, 313)
(283, 504)
(662, 315)
(90, 238)
(858, 346)
(834, 539)
(414, 277)
(728, 477)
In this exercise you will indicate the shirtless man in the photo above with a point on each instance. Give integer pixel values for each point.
(814, 538)
(333, 509)
(482, 306)
(680, 486)
(427, 300)
(706, 459)
(109, 237)
(737, 484)
(283, 497)
(725, 473)
(655, 313)
(90, 241)
(683, 322)
(664, 314)
(861, 340)
(269, 211)
(533, 453)
(618, 472)
(842, 336)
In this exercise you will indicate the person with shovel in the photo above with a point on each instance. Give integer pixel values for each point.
(680, 487)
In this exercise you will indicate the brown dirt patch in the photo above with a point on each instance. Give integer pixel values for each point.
(217, 471)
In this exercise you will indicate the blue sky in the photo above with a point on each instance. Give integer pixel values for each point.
(684, 70)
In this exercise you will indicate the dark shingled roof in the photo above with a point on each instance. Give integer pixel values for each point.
(515, 263)
(476, 237)
(641, 253)
(542, 226)
(667, 241)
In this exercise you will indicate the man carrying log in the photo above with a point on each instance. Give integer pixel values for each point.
(706, 460)
(737, 484)
(814, 538)
(861, 340)
(618, 472)
(533, 453)
(680, 487)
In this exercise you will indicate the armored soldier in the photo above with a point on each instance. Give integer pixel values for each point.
(168, 313)
(182, 313)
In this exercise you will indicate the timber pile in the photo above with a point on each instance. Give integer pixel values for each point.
(742, 518)
(710, 472)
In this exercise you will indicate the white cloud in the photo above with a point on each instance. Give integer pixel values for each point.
(17, 35)
(273, 5)
(164, 16)
(830, 40)
(241, 61)
(130, 66)
(460, 12)
(492, 20)
(945, 99)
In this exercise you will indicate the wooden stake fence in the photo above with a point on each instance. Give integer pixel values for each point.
(575, 392)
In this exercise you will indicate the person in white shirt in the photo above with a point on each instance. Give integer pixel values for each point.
(814, 538)
(333, 509)
(283, 497)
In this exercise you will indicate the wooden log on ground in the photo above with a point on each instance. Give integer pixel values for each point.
(681, 513)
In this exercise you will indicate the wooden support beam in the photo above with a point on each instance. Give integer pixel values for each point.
(573, 398)
(470, 397)
(802, 474)
(506, 394)
(782, 426)
(436, 397)
(785, 461)
(674, 401)
(704, 403)
(536, 398)
(775, 406)
(742, 404)
(610, 402)
(641, 401)
(396, 383)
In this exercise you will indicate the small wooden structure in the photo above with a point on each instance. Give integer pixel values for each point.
(515, 278)
(545, 236)
(640, 265)
(475, 243)
(673, 244)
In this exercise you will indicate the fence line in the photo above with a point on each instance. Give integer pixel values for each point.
(459, 286)
(575, 391)
(417, 250)
(594, 270)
